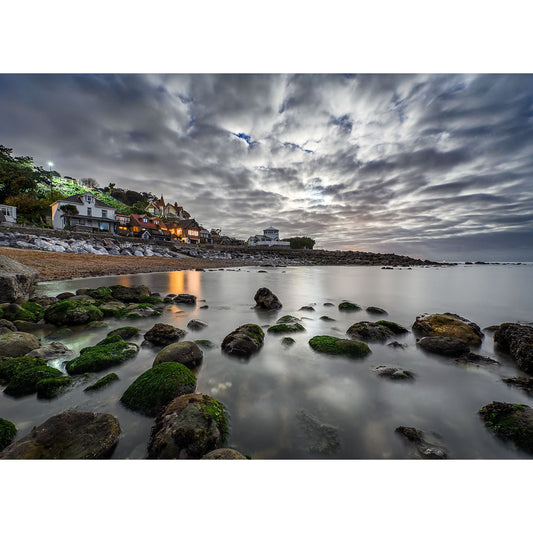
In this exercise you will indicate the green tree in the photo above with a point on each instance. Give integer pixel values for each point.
(18, 175)
(299, 243)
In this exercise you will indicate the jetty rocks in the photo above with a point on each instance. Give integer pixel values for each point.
(69, 435)
(17, 281)
(79, 243)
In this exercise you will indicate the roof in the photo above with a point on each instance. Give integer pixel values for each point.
(186, 224)
(150, 224)
(271, 229)
(160, 202)
(77, 199)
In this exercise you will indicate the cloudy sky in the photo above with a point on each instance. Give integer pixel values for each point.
(433, 166)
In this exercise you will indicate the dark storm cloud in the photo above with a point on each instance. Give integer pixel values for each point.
(430, 165)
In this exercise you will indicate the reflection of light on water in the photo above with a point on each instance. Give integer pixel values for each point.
(125, 280)
(185, 281)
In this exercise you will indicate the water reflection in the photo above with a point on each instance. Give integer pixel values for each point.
(264, 395)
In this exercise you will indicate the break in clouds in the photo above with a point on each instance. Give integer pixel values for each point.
(433, 166)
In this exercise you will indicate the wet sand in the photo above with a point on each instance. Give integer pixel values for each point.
(60, 265)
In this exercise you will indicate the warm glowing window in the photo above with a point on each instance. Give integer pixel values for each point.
(193, 232)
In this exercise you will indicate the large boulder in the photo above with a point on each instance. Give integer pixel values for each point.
(196, 325)
(72, 312)
(112, 308)
(17, 343)
(190, 426)
(509, 421)
(129, 294)
(126, 332)
(448, 346)
(369, 332)
(26, 311)
(266, 299)
(101, 357)
(243, 341)
(518, 341)
(52, 351)
(17, 281)
(448, 325)
(157, 387)
(185, 352)
(69, 435)
(335, 346)
(164, 334)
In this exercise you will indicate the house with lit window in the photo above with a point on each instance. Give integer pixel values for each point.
(187, 230)
(8, 213)
(84, 212)
(147, 227)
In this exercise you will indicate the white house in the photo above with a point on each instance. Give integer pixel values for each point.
(92, 213)
(8, 213)
(270, 237)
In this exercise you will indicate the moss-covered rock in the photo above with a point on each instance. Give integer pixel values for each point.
(60, 333)
(448, 325)
(287, 341)
(335, 346)
(27, 311)
(185, 352)
(126, 332)
(72, 312)
(110, 339)
(103, 382)
(8, 432)
(49, 388)
(112, 308)
(326, 318)
(189, 427)
(286, 328)
(288, 319)
(129, 294)
(100, 357)
(153, 300)
(369, 331)
(510, 421)
(244, 341)
(17, 343)
(393, 326)
(349, 306)
(101, 293)
(13, 366)
(157, 387)
(96, 324)
(69, 435)
(25, 382)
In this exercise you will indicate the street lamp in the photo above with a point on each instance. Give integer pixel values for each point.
(50, 165)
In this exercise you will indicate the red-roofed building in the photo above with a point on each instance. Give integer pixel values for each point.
(144, 227)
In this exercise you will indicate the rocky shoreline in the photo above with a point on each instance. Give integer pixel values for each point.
(113, 255)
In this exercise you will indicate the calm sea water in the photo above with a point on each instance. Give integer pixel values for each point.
(266, 395)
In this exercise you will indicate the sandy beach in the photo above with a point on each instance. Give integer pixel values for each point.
(58, 265)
